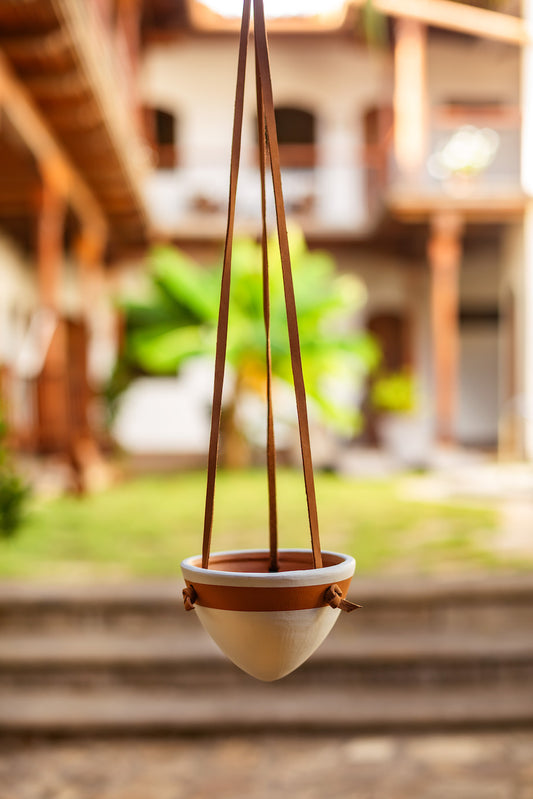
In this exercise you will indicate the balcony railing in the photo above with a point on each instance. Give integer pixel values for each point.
(195, 197)
(471, 152)
(324, 195)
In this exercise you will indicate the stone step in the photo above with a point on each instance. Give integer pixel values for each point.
(370, 659)
(275, 707)
(128, 659)
(491, 605)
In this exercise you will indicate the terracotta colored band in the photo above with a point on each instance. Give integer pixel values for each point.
(229, 597)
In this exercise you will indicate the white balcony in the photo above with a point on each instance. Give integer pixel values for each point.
(472, 161)
(192, 200)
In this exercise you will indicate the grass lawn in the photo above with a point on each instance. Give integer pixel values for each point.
(145, 527)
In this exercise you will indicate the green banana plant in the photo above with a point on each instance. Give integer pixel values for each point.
(177, 321)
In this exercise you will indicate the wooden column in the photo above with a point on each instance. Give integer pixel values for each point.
(410, 98)
(89, 466)
(89, 249)
(525, 296)
(128, 45)
(53, 416)
(444, 253)
(90, 246)
(50, 229)
(129, 26)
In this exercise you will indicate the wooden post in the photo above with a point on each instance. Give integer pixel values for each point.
(129, 26)
(53, 416)
(128, 45)
(87, 461)
(90, 246)
(444, 252)
(50, 225)
(410, 98)
(89, 249)
(525, 298)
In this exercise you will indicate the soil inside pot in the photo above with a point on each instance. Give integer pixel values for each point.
(259, 562)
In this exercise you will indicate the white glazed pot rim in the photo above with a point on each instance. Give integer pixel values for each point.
(342, 568)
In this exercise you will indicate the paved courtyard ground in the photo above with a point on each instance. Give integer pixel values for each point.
(456, 766)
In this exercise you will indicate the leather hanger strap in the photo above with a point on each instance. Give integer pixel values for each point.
(222, 329)
(261, 49)
(268, 125)
(271, 446)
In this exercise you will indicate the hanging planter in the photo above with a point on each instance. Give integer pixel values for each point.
(268, 623)
(267, 610)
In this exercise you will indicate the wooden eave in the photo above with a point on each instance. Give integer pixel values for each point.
(165, 20)
(19, 186)
(55, 51)
(486, 207)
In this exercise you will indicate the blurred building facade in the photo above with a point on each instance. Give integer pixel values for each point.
(402, 157)
(71, 206)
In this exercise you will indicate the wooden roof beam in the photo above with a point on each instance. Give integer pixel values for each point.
(55, 43)
(51, 87)
(80, 120)
(17, 193)
(16, 210)
(95, 62)
(446, 14)
(53, 161)
(457, 17)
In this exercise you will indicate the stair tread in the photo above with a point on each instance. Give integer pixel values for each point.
(259, 705)
(118, 647)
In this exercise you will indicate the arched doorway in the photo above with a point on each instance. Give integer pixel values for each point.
(162, 131)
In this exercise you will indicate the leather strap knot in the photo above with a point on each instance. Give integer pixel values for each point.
(335, 599)
(189, 597)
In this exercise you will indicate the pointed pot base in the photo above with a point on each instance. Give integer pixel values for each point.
(268, 645)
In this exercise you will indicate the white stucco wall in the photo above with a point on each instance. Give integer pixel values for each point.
(195, 80)
(473, 69)
(478, 400)
(18, 298)
(334, 78)
(399, 285)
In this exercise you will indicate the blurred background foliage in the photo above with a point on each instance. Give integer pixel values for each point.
(14, 491)
(177, 321)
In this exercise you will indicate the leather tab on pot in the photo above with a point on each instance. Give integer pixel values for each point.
(268, 598)
(335, 599)
(189, 597)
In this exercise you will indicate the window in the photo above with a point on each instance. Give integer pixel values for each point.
(296, 137)
(162, 133)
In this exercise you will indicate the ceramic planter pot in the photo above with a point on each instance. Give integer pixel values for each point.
(267, 623)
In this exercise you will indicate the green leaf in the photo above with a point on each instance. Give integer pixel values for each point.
(181, 279)
(163, 351)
